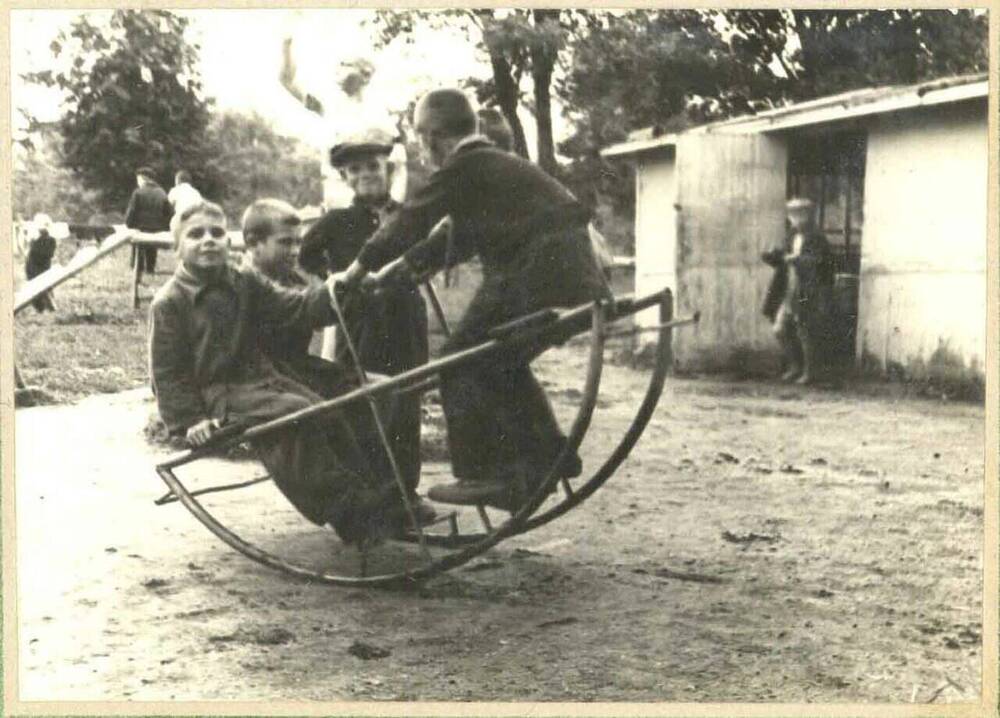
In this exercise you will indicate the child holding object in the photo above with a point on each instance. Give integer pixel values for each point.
(207, 370)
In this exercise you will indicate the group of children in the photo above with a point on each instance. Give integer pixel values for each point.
(229, 344)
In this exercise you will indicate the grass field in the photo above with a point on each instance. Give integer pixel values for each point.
(95, 341)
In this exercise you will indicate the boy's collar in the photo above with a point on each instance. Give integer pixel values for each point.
(194, 282)
(474, 140)
(388, 204)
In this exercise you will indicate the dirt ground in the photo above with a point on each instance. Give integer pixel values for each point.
(762, 543)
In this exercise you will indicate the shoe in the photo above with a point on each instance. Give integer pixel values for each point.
(424, 511)
(363, 517)
(469, 493)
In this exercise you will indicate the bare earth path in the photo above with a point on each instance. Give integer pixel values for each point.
(763, 543)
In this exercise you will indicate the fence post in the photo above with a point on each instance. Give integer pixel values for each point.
(136, 274)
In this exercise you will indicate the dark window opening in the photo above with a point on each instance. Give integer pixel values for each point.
(829, 169)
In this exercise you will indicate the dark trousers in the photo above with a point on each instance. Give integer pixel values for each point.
(500, 422)
(331, 379)
(43, 302)
(319, 465)
(146, 256)
(389, 332)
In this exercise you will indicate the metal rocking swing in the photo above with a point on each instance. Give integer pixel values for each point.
(543, 329)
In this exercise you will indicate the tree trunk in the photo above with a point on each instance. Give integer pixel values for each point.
(507, 98)
(543, 59)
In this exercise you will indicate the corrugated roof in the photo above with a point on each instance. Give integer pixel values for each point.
(833, 108)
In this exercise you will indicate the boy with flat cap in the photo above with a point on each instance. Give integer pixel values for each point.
(389, 329)
(207, 370)
(530, 233)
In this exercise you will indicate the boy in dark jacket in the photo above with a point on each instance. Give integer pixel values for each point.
(389, 329)
(148, 210)
(207, 370)
(799, 300)
(39, 260)
(271, 230)
(530, 234)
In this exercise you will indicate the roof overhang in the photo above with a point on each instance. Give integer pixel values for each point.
(835, 108)
(635, 147)
(838, 111)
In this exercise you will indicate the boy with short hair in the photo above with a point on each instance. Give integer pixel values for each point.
(207, 369)
(271, 230)
(389, 330)
(529, 231)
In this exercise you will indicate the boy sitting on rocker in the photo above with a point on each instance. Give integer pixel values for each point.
(207, 370)
(272, 232)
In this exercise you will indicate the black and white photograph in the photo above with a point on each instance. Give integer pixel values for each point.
(535, 360)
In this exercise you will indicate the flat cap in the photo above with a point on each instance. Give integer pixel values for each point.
(367, 142)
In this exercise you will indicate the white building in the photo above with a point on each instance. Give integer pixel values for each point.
(899, 176)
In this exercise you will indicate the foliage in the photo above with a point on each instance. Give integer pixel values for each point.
(822, 52)
(248, 160)
(518, 42)
(668, 69)
(132, 98)
(42, 184)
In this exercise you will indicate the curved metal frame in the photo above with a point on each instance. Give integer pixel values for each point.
(467, 546)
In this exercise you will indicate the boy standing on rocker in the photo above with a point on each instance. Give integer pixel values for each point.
(530, 233)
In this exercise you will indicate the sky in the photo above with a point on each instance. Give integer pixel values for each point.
(240, 62)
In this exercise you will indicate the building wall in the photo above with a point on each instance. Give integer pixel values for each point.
(731, 192)
(922, 299)
(655, 232)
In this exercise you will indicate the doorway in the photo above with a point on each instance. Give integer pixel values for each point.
(828, 167)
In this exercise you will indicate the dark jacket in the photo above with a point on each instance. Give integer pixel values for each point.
(40, 253)
(498, 202)
(204, 342)
(390, 328)
(148, 209)
(815, 269)
(288, 346)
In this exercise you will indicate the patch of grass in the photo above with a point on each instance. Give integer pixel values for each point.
(94, 342)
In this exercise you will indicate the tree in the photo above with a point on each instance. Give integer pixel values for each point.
(249, 161)
(132, 97)
(822, 52)
(517, 42)
(669, 69)
(42, 184)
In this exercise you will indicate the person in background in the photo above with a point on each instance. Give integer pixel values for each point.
(41, 250)
(389, 329)
(799, 299)
(148, 210)
(182, 193)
